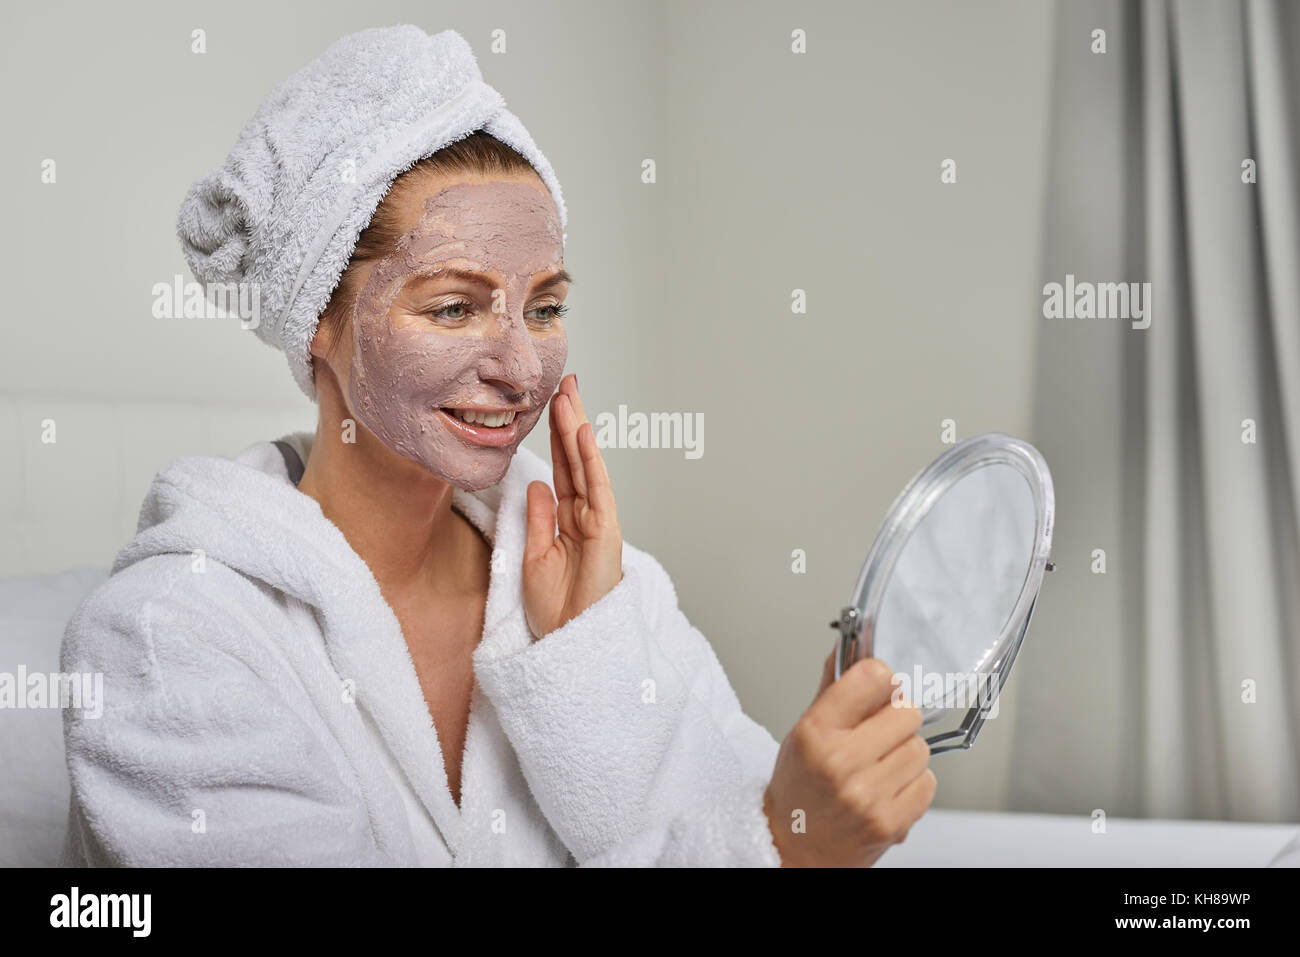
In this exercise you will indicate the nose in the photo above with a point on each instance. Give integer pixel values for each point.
(512, 360)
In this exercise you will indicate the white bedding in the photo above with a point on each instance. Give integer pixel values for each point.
(996, 839)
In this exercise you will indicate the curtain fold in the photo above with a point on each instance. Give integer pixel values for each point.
(1176, 448)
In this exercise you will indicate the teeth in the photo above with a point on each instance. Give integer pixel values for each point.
(492, 420)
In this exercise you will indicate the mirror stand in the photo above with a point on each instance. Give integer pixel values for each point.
(975, 717)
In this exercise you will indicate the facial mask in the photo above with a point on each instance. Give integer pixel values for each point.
(406, 366)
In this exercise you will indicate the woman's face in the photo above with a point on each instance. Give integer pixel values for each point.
(458, 323)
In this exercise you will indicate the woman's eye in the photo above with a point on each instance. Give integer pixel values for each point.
(452, 312)
(549, 313)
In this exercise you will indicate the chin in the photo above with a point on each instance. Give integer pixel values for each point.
(462, 465)
(482, 468)
(473, 476)
(478, 484)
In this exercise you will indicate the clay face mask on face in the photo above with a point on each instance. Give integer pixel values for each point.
(415, 360)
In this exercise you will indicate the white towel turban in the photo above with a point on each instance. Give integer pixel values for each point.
(308, 171)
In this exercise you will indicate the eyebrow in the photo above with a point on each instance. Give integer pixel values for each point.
(559, 276)
(465, 275)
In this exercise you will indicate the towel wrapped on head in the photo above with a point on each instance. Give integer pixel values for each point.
(309, 169)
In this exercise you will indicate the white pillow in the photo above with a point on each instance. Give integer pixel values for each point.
(34, 790)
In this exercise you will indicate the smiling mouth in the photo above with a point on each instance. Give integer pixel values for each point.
(493, 428)
(491, 420)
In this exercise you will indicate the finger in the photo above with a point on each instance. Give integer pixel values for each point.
(563, 481)
(567, 416)
(862, 690)
(917, 796)
(600, 490)
(541, 522)
(883, 731)
(828, 672)
(562, 477)
(901, 766)
(899, 812)
(572, 382)
(569, 386)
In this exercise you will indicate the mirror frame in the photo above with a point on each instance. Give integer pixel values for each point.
(856, 623)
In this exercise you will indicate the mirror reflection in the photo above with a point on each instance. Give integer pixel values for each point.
(947, 602)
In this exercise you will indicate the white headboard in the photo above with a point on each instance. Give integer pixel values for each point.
(74, 502)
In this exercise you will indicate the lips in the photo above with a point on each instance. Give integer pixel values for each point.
(480, 432)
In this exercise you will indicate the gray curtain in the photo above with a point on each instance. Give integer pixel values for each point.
(1169, 685)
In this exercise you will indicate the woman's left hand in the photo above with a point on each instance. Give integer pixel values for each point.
(566, 573)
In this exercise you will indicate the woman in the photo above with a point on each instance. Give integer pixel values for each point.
(405, 640)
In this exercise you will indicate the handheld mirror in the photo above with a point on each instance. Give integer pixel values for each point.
(949, 586)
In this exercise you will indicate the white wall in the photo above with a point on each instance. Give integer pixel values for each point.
(821, 172)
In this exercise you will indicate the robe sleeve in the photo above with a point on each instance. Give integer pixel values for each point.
(632, 739)
(198, 758)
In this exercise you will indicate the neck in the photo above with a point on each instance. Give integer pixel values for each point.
(393, 512)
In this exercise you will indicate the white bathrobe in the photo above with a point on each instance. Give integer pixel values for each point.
(261, 707)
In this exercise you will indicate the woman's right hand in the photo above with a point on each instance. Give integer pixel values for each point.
(855, 767)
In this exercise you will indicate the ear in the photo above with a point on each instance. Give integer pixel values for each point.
(323, 338)
(323, 341)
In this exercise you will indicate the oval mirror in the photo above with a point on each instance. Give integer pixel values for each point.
(949, 585)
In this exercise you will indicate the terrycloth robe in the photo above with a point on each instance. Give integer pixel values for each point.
(261, 706)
